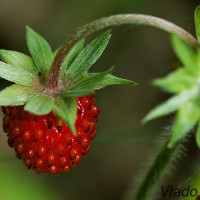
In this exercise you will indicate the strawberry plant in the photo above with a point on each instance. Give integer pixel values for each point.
(51, 123)
(50, 111)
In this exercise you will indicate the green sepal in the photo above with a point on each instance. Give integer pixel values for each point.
(90, 82)
(176, 81)
(186, 118)
(109, 79)
(197, 21)
(40, 50)
(18, 60)
(39, 104)
(88, 56)
(198, 135)
(186, 55)
(15, 95)
(71, 56)
(66, 109)
(171, 105)
(78, 92)
(15, 74)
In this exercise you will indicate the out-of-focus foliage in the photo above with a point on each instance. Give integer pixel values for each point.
(194, 184)
(184, 82)
(16, 184)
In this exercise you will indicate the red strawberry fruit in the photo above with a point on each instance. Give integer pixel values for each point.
(51, 129)
(45, 143)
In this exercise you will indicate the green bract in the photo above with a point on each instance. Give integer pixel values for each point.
(31, 75)
(185, 83)
(40, 51)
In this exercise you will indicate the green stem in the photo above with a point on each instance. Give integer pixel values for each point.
(165, 156)
(103, 23)
(161, 164)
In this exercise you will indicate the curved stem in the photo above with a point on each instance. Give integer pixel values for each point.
(154, 175)
(108, 22)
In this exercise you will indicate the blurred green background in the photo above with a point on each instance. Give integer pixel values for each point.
(122, 145)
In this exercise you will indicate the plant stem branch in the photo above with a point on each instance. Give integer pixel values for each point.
(160, 166)
(103, 23)
(165, 155)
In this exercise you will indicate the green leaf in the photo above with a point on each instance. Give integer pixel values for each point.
(66, 109)
(15, 74)
(19, 60)
(172, 104)
(40, 51)
(71, 56)
(198, 135)
(39, 104)
(91, 81)
(15, 95)
(186, 118)
(78, 92)
(197, 21)
(88, 56)
(176, 81)
(186, 55)
(109, 80)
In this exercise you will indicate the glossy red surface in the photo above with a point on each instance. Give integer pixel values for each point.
(45, 143)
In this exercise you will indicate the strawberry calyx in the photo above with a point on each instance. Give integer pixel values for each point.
(32, 87)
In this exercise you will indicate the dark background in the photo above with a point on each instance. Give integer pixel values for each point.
(123, 144)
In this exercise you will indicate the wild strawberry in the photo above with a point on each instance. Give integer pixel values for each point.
(51, 125)
(45, 143)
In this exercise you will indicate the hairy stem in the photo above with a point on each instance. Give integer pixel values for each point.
(160, 166)
(114, 20)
